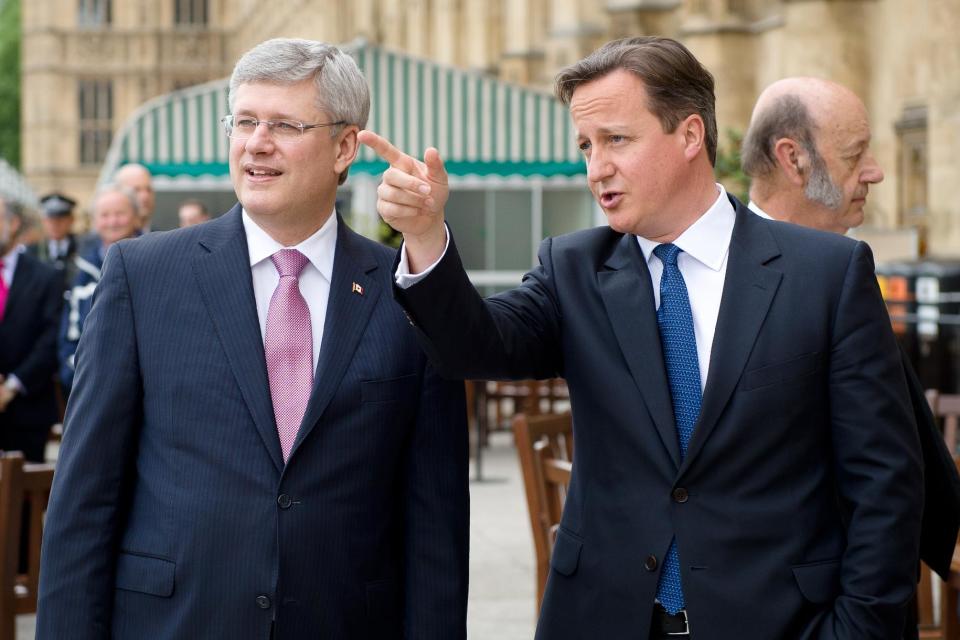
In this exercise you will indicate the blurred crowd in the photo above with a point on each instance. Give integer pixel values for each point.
(48, 275)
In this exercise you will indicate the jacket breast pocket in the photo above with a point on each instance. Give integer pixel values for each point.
(819, 582)
(388, 390)
(145, 574)
(566, 553)
(781, 372)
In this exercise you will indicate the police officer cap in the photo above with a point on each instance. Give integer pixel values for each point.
(57, 205)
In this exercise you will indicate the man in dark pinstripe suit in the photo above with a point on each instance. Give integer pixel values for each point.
(188, 503)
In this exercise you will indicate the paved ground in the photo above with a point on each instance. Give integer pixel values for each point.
(502, 593)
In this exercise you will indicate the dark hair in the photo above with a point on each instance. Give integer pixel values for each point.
(677, 84)
(786, 117)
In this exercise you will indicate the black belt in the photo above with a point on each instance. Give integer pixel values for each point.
(669, 624)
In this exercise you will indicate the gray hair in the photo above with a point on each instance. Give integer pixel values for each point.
(342, 91)
(820, 187)
(786, 117)
(116, 187)
(677, 85)
(15, 209)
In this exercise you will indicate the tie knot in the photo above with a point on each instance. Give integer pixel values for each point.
(667, 253)
(289, 262)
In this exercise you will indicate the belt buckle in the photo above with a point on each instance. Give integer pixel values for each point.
(686, 623)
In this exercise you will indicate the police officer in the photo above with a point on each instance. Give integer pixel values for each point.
(59, 247)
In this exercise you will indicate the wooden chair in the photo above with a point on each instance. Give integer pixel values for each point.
(20, 484)
(946, 409)
(545, 448)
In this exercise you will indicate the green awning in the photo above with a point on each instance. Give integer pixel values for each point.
(482, 126)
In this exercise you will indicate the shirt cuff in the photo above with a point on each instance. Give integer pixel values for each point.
(404, 278)
(13, 382)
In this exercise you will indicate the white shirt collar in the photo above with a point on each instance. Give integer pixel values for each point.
(708, 239)
(753, 206)
(319, 247)
(10, 262)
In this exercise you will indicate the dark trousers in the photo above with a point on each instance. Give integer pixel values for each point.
(31, 441)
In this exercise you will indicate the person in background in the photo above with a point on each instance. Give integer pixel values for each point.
(807, 151)
(191, 212)
(114, 218)
(59, 246)
(31, 295)
(138, 179)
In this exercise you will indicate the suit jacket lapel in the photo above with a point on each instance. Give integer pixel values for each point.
(628, 296)
(222, 269)
(748, 290)
(348, 311)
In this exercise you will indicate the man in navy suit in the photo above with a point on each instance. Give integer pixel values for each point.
(31, 294)
(255, 448)
(807, 151)
(746, 460)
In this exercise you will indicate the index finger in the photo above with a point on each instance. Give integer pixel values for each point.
(382, 147)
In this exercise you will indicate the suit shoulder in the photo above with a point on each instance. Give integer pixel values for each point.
(813, 240)
(593, 245)
(31, 262)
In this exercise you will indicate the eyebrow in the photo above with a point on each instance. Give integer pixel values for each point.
(605, 130)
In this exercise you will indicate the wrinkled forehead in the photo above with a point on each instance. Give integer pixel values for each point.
(844, 124)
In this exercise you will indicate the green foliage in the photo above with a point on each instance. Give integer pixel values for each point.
(10, 81)
(729, 172)
(388, 236)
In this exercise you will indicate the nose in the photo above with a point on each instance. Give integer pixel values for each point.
(871, 173)
(260, 141)
(598, 166)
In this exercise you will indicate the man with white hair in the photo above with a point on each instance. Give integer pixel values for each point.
(255, 447)
(138, 179)
(115, 217)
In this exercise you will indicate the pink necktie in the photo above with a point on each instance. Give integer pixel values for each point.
(289, 348)
(4, 290)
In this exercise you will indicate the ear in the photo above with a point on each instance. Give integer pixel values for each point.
(792, 160)
(347, 148)
(692, 135)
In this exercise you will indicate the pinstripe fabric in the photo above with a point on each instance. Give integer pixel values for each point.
(171, 456)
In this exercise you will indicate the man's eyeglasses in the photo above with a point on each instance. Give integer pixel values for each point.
(243, 127)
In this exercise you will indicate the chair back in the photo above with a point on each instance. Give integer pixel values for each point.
(545, 448)
(24, 493)
(946, 409)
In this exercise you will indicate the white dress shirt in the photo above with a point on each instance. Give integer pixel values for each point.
(703, 264)
(753, 206)
(58, 248)
(314, 279)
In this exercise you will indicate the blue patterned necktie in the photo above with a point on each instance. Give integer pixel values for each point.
(683, 373)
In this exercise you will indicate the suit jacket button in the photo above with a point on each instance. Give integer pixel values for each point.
(680, 494)
(263, 602)
(284, 501)
(650, 564)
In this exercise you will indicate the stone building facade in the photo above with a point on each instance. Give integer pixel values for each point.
(87, 64)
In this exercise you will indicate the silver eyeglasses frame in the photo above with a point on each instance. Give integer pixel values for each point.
(272, 127)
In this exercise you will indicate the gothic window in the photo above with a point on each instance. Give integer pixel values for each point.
(912, 166)
(96, 119)
(93, 13)
(191, 12)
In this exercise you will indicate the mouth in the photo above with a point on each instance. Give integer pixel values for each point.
(610, 199)
(257, 172)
